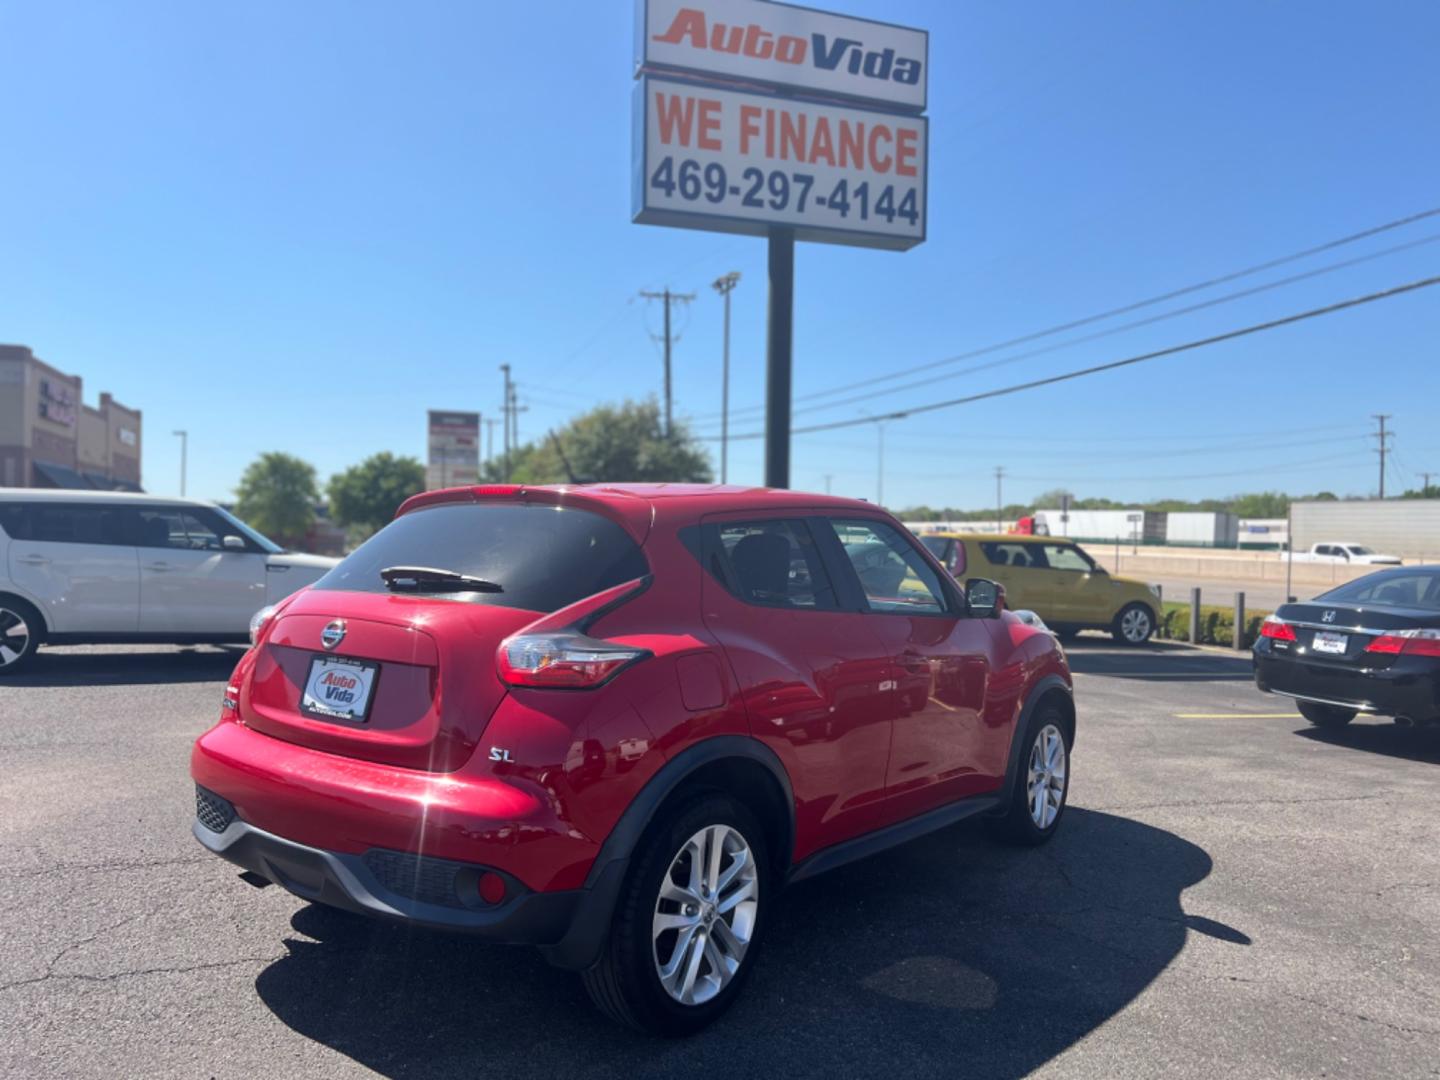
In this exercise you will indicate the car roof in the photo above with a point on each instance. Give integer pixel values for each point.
(641, 505)
(112, 498)
(1009, 538)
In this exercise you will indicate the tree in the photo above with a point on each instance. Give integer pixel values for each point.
(609, 443)
(277, 495)
(365, 497)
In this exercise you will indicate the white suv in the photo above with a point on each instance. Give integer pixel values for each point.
(80, 567)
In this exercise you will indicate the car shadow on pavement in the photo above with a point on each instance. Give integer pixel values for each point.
(1412, 744)
(948, 956)
(1159, 660)
(125, 667)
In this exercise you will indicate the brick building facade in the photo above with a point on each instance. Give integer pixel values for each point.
(49, 437)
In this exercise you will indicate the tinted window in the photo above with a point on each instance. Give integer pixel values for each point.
(68, 523)
(893, 575)
(1400, 588)
(1008, 554)
(1067, 557)
(773, 563)
(543, 557)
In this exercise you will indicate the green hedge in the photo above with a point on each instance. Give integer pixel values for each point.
(1217, 624)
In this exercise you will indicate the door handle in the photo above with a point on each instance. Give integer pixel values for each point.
(159, 567)
(32, 560)
(272, 569)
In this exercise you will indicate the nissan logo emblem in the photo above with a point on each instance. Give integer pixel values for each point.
(333, 634)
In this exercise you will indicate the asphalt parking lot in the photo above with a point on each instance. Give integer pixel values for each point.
(1231, 895)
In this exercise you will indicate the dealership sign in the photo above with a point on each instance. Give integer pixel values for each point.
(742, 162)
(769, 44)
(454, 449)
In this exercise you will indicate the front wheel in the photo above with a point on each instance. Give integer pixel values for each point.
(1038, 801)
(1325, 716)
(1134, 625)
(688, 923)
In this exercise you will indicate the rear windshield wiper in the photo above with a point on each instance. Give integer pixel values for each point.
(430, 579)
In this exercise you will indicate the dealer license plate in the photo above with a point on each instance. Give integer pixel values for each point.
(1327, 641)
(338, 688)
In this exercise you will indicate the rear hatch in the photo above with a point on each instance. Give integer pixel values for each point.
(405, 673)
(1339, 635)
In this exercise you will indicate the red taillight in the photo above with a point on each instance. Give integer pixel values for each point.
(1408, 642)
(566, 660)
(1277, 629)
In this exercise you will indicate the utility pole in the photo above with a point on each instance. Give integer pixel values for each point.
(507, 401)
(669, 298)
(999, 500)
(828, 477)
(722, 285)
(1384, 438)
(1426, 477)
(490, 440)
(880, 465)
(184, 447)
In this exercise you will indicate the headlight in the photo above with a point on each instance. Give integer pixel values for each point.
(258, 621)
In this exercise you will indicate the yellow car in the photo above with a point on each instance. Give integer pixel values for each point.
(1056, 579)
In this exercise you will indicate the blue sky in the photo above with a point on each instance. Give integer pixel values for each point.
(298, 226)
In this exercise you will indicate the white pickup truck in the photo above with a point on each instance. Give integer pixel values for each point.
(1339, 552)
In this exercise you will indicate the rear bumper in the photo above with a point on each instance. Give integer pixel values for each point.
(1410, 687)
(440, 894)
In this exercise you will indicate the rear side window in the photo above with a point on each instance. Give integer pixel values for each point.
(67, 523)
(773, 563)
(543, 558)
(1005, 554)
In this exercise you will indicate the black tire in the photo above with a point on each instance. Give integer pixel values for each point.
(1327, 717)
(17, 617)
(625, 984)
(1018, 825)
(1134, 625)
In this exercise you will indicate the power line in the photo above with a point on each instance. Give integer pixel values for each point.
(1229, 335)
(1109, 332)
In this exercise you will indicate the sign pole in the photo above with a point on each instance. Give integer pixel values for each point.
(777, 357)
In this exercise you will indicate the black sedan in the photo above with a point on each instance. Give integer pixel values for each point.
(1370, 646)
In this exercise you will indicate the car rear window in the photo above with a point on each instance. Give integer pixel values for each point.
(1393, 588)
(542, 557)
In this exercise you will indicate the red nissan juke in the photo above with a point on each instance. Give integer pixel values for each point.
(614, 721)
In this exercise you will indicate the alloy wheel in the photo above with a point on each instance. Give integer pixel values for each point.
(1135, 625)
(14, 636)
(1047, 774)
(705, 914)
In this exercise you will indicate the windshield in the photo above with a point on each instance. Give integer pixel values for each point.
(259, 539)
(1393, 588)
(542, 558)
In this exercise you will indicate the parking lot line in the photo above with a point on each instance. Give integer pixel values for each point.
(1236, 716)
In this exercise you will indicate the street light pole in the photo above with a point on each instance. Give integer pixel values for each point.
(723, 285)
(880, 465)
(184, 446)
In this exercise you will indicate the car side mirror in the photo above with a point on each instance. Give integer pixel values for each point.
(986, 599)
(233, 543)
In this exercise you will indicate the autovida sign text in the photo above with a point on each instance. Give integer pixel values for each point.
(739, 162)
(764, 43)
